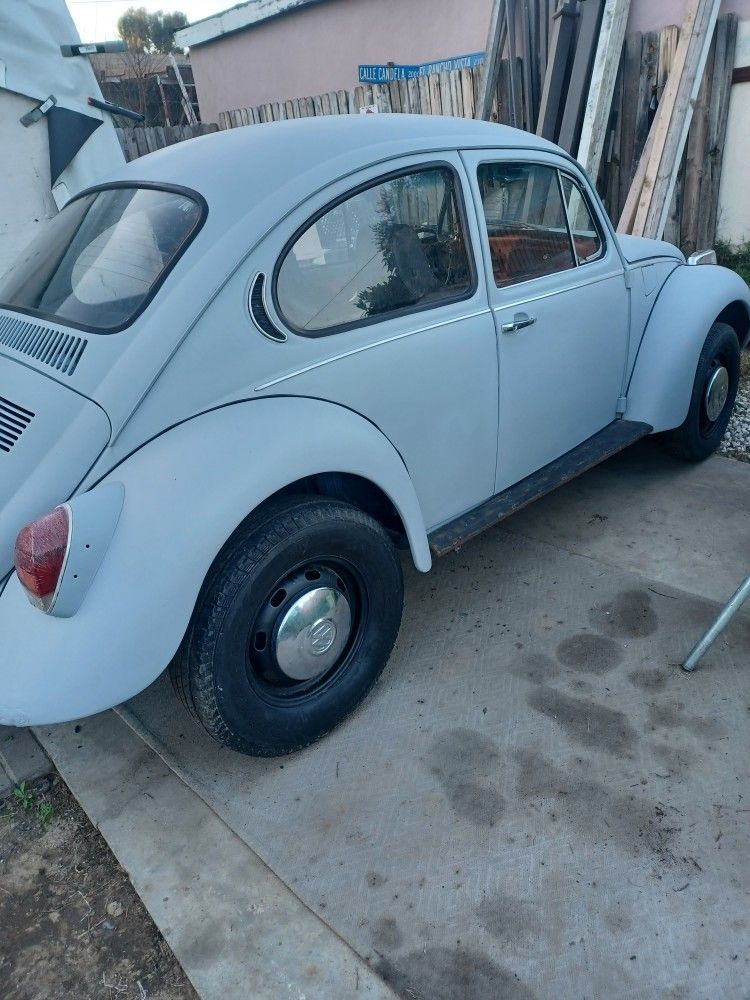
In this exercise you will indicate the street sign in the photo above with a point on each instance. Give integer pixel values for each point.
(385, 73)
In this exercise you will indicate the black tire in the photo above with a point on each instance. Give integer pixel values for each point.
(227, 669)
(699, 436)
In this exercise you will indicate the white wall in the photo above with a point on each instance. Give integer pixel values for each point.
(26, 200)
(734, 194)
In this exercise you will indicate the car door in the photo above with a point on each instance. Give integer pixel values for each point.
(378, 285)
(557, 290)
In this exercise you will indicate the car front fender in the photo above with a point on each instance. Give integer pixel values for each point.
(692, 298)
(184, 493)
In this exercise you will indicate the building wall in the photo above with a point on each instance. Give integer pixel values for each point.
(319, 48)
(734, 194)
(647, 15)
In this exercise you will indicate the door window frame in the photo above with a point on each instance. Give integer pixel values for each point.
(560, 173)
(390, 175)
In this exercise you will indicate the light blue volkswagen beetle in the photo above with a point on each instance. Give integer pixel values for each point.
(235, 378)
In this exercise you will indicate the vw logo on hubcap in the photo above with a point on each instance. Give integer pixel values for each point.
(321, 635)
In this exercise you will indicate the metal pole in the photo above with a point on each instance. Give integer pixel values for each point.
(727, 613)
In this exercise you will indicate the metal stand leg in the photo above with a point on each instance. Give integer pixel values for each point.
(728, 612)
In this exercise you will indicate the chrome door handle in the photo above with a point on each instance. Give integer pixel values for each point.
(520, 321)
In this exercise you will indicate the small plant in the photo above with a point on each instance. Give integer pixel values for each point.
(736, 256)
(45, 811)
(22, 794)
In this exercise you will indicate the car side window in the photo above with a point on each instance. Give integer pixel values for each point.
(587, 240)
(391, 247)
(526, 221)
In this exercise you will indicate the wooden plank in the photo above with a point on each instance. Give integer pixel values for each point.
(467, 92)
(615, 438)
(563, 33)
(423, 90)
(359, 99)
(694, 165)
(446, 100)
(457, 104)
(673, 118)
(492, 55)
(433, 85)
(726, 41)
(407, 93)
(395, 91)
(610, 171)
(580, 74)
(318, 104)
(631, 66)
(601, 88)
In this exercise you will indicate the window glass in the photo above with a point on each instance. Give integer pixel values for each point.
(586, 238)
(526, 221)
(393, 246)
(96, 262)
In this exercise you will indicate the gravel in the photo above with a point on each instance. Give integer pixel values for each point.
(736, 441)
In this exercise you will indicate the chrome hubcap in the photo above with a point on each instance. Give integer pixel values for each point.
(717, 391)
(313, 633)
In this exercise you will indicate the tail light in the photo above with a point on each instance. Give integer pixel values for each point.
(41, 550)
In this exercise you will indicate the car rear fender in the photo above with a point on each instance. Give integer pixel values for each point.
(691, 300)
(184, 494)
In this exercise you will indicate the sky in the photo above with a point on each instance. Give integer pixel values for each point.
(96, 20)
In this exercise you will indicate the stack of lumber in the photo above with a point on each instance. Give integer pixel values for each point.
(647, 207)
(581, 74)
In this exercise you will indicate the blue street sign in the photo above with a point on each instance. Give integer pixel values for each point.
(386, 73)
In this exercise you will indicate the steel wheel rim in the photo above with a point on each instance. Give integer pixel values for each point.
(715, 396)
(306, 631)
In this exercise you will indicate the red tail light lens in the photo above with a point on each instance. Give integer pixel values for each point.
(40, 556)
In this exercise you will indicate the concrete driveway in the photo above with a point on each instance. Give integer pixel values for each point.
(534, 802)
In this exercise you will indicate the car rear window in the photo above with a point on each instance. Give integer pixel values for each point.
(98, 262)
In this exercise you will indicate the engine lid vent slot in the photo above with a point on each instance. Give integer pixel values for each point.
(54, 348)
(14, 420)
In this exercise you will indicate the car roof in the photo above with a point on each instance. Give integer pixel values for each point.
(262, 159)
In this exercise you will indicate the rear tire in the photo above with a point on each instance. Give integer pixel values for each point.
(293, 626)
(705, 425)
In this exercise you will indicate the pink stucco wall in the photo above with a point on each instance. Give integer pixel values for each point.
(319, 48)
(647, 15)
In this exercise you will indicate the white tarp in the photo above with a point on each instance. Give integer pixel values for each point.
(31, 69)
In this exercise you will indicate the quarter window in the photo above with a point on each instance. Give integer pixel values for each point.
(526, 221)
(395, 246)
(586, 238)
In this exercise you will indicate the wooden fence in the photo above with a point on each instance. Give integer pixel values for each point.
(642, 75)
(138, 141)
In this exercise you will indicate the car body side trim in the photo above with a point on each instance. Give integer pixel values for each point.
(367, 347)
(557, 291)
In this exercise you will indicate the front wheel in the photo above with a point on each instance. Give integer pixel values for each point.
(294, 624)
(714, 391)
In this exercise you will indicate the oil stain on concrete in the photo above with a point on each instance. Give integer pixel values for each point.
(630, 615)
(589, 653)
(586, 723)
(466, 763)
(436, 973)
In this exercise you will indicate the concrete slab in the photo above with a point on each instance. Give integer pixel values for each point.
(535, 801)
(234, 927)
(681, 524)
(534, 793)
(21, 758)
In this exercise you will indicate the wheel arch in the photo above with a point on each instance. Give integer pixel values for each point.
(691, 301)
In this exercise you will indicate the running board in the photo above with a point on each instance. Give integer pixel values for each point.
(605, 444)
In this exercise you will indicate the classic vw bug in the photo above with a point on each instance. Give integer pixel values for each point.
(236, 377)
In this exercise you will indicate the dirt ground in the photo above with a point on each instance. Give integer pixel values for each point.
(71, 924)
